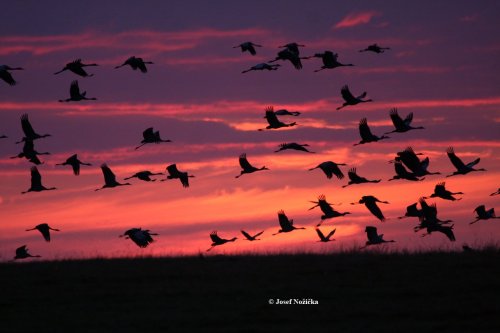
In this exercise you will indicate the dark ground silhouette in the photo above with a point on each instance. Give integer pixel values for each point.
(356, 292)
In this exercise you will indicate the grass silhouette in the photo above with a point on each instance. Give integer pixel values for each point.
(376, 291)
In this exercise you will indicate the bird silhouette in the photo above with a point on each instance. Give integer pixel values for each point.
(285, 112)
(375, 48)
(374, 238)
(410, 159)
(75, 95)
(462, 168)
(401, 125)
(144, 175)
(326, 238)
(174, 173)
(330, 168)
(136, 63)
(216, 240)
(29, 132)
(285, 224)
(248, 46)
(412, 211)
(109, 178)
(436, 227)
(294, 146)
(250, 237)
(495, 193)
(36, 182)
(441, 192)
(262, 66)
(289, 55)
(327, 209)
(75, 163)
(371, 203)
(76, 67)
(402, 173)
(350, 99)
(44, 229)
(273, 121)
(142, 238)
(483, 214)
(23, 253)
(30, 153)
(329, 60)
(293, 47)
(366, 133)
(429, 221)
(247, 167)
(355, 179)
(151, 136)
(6, 76)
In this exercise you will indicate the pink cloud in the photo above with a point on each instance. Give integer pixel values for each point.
(149, 42)
(226, 107)
(356, 19)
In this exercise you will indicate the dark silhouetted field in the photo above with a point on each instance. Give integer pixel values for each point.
(356, 292)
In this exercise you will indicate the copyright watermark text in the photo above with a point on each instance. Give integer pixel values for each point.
(293, 301)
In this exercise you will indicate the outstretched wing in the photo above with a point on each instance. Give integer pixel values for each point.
(7, 77)
(448, 231)
(36, 178)
(245, 165)
(320, 234)
(76, 67)
(480, 210)
(457, 163)
(283, 220)
(141, 65)
(346, 94)
(251, 49)
(371, 233)
(396, 119)
(258, 234)
(172, 170)
(408, 119)
(325, 207)
(74, 89)
(183, 176)
(331, 233)
(20, 251)
(109, 176)
(353, 176)
(471, 164)
(214, 237)
(329, 58)
(44, 230)
(400, 169)
(410, 159)
(364, 130)
(26, 125)
(246, 234)
(148, 133)
(375, 210)
(271, 117)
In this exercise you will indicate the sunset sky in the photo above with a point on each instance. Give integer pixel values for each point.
(443, 66)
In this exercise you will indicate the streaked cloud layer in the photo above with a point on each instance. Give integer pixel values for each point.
(355, 19)
(196, 95)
